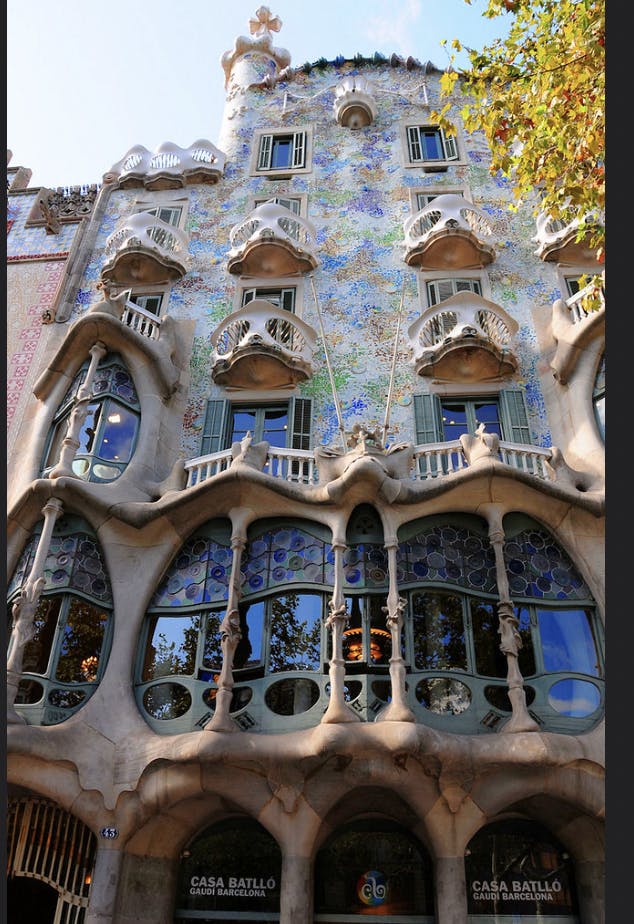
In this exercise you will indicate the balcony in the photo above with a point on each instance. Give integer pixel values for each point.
(169, 167)
(145, 250)
(464, 339)
(449, 233)
(557, 242)
(272, 241)
(262, 346)
(354, 104)
(575, 322)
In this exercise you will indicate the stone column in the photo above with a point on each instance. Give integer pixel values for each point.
(511, 641)
(397, 710)
(25, 607)
(296, 897)
(70, 443)
(338, 710)
(230, 635)
(103, 888)
(451, 890)
(147, 890)
(590, 882)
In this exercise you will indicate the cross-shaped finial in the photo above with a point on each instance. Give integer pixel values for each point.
(264, 22)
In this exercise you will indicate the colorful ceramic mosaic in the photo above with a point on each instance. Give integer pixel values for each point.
(538, 567)
(74, 562)
(198, 574)
(448, 554)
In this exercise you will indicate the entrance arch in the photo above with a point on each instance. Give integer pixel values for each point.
(30, 900)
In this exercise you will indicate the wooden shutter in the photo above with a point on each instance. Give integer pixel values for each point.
(299, 149)
(301, 415)
(514, 416)
(427, 419)
(214, 430)
(264, 156)
(450, 146)
(413, 143)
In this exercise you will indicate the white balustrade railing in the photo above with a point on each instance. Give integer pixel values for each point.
(465, 314)
(272, 220)
(576, 307)
(431, 460)
(263, 324)
(447, 211)
(145, 230)
(141, 320)
(141, 164)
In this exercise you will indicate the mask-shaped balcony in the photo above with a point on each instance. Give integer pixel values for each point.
(262, 346)
(145, 250)
(575, 323)
(449, 233)
(464, 339)
(272, 242)
(557, 242)
(354, 104)
(169, 167)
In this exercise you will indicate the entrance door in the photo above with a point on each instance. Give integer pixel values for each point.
(29, 900)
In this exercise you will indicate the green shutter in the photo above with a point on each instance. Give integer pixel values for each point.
(427, 419)
(264, 156)
(214, 431)
(514, 416)
(301, 413)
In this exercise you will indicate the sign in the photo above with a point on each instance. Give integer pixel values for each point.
(109, 833)
(232, 886)
(372, 888)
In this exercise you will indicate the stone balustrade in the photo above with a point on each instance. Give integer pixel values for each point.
(262, 345)
(575, 304)
(145, 249)
(448, 233)
(272, 241)
(143, 322)
(169, 167)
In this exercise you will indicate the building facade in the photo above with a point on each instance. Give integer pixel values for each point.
(305, 533)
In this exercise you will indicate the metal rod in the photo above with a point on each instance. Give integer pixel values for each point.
(332, 379)
(390, 390)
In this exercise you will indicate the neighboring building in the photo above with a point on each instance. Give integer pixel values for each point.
(306, 509)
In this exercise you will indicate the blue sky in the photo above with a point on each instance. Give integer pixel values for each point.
(86, 80)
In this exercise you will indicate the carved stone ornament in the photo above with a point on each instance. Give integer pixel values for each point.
(480, 445)
(261, 26)
(246, 452)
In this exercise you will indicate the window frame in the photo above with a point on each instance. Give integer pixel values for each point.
(432, 192)
(301, 199)
(451, 147)
(274, 283)
(302, 137)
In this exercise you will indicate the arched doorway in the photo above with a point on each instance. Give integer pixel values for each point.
(29, 900)
(373, 867)
(516, 870)
(230, 872)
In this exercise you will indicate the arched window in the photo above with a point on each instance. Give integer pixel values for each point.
(516, 870)
(458, 670)
(65, 660)
(233, 869)
(374, 867)
(108, 435)
(50, 857)
(598, 397)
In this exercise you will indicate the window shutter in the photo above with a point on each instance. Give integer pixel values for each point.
(299, 149)
(214, 430)
(264, 156)
(413, 143)
(450, 145)
(301, 414)
(427, 419)
(247, 296)
(514, 416)
(440, 289)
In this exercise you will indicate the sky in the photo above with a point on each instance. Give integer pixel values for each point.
(86, 80)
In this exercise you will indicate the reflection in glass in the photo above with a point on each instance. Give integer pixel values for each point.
(167, 700)
(249, 649)
(37, 652)
(568, 642)
(490, 661)
(212, 651)
(29, 691)
(443, 695)
(292, 696)
(171, 646)
(82, 640)
(574, 697)
(498, 696)
(295, 632)
(439, 640)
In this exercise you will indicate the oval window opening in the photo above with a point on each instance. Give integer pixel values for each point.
(66, 699)
(29, 691)
(167, 700)
(575, 698)
(443, 696)
(292, 696)
(240, 698)
(498, 697)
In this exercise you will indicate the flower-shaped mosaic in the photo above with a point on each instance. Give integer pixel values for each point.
(538, 567)
(199, 573)
(450, 554)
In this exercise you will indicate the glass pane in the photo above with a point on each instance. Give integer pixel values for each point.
(118, 432)
(56, 442)
(275, 426)
(489, 415)
(432, 148)
(171, 646)
(574, 697)
(295, 632)
(353, 634)
(241, 423)
(439, 640)
(599, 413)
(490, 661)
(568, 642)
(89, 428)
(443, 696)
(282, 151)
(212, 651)
(167, 700)
(249, 649)
(454, 421)
(292, 696)
(38, 650)
(380, 638)
(82, 641)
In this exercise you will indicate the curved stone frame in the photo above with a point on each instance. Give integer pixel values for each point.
(42, 712)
